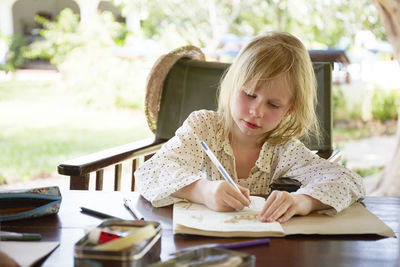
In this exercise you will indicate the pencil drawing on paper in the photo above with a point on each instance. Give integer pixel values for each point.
(252, 217)
(198, 217)
(187, 206)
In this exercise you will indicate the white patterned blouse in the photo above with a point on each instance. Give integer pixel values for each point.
(181, 161)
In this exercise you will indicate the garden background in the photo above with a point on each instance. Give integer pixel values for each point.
(80, 88)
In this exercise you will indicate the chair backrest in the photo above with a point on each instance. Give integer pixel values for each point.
(192, 85)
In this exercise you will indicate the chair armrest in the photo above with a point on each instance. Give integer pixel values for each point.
(99, 160)
(334, 155)
(80, 168)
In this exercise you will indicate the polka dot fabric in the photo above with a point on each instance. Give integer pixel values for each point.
(181, 161)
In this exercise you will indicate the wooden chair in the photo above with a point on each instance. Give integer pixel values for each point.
(190, 85)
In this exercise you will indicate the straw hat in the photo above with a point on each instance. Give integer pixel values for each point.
(157, 77)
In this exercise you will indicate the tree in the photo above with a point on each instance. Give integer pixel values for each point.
(389, 11)
(387, 182)
(204, 23)
(197, 22)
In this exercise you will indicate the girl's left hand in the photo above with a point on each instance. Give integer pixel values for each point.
(281, 206)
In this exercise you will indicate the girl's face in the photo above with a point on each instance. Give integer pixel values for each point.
(255, 114)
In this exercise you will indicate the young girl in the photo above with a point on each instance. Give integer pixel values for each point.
(266, 101)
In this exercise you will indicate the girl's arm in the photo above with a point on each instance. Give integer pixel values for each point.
(179, 169)
(177, 164)
(324, 184)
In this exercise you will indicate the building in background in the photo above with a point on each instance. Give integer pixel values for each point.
(17, 16)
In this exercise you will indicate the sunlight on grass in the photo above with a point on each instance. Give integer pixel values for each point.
(43, 124)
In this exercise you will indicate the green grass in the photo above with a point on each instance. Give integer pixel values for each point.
(356, 129)
(43, 124)
(366, 172)
(349, 134)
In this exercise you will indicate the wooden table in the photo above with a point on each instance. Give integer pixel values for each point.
(68, 225)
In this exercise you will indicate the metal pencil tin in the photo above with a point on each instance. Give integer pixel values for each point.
(209, 257)
(137, 255)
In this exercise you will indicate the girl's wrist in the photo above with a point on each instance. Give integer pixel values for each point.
(193, 192)
(308, 204)
(201, 190)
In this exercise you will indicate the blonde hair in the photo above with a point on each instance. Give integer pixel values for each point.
(266, 57)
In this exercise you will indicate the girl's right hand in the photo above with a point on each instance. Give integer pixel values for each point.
(216, 195)
(222, 196)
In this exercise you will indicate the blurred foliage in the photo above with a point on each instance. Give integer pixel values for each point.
(342, 109)
(339, 103)
(84, 56)
(385, 105)
(320, 24)
(65, 34)
(102, 80)
(366, 172)
(381, 105)
(204, 23)
(60, 37)
(372, 114)
(356, 129)
(15, 54)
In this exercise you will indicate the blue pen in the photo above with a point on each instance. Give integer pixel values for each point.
(219, 166)
(128, 204)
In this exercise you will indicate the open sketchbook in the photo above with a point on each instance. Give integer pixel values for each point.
(196, 219)
(27, 253)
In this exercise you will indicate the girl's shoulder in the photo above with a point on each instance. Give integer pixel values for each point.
(203, 114)
(287, 143)
(202, 120)
(295, 147)
(206, 124)
(204, 117)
